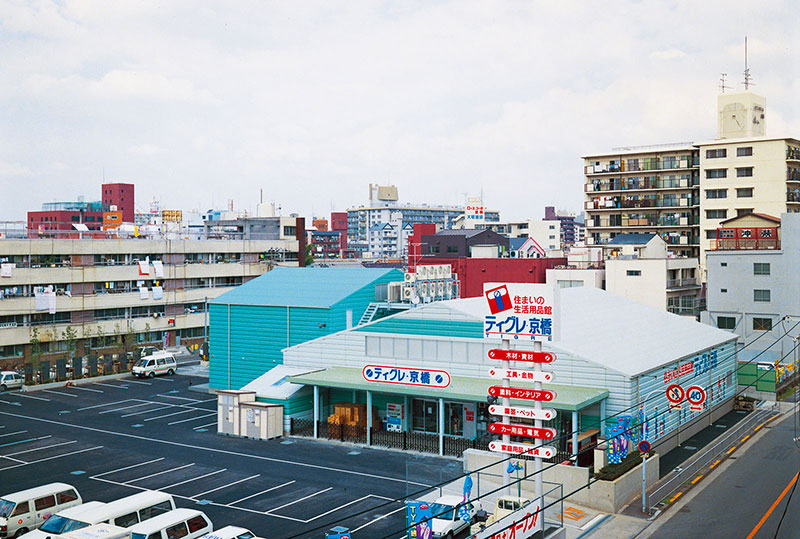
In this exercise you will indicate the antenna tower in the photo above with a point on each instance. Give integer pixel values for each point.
(722, 86)
(748, 82)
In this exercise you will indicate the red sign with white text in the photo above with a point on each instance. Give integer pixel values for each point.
(542, 433)
(545, 395)
(517, 355)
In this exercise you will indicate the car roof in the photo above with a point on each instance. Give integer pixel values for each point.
(449, 499)
(146, 527)
(78, 510)
(24, 495)
(8, 372)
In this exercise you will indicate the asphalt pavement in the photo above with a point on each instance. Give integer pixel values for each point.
(117, 437)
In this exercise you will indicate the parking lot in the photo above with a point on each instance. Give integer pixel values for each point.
(114, 438)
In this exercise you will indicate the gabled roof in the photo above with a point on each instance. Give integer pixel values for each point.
(631, 239)
(761, 215)
(465, 232)
(305, 287)
(514, 244)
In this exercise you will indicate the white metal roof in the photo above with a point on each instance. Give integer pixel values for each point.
(616, 332)
(273, 385)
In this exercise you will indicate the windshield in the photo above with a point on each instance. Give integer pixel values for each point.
(59, 524)
(142, 362)
(439, 510)
(5, 508)
(138, 536)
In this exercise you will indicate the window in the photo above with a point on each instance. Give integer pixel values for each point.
(43, 503)
(745, 151)
(289, 231)
(743, 211)
(177, 531)
(197, 523)
(716, 154)
(723, 264)
(723, 290)
(569, 283)
(634, 273)
(744, 192)
(452, 248)
(744, 172)
(716, 193)
(762, 324)
(716, 173)
(726, 322)
(434, 248)
(155, 510)
(21, 509)
(716, 214)
(126, 521)
(760, 295)
(66, 496)
(761, 268)
(711, 234)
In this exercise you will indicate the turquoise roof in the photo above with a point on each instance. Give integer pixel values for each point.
(304, 287)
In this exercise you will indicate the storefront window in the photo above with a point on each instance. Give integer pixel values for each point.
(425, 416)
(454, 419)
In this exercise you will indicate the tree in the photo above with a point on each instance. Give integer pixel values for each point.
(71, 336)
(36, 348)
(309, 254)
(101, 338)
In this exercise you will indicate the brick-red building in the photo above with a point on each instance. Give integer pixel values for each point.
(120, 195)
(339, 224)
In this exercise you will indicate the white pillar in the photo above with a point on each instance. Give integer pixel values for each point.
(506, 402)
(575, 435)
(537, 462)
(603, 413)
(369, 417)
(316, 411)
(441, 426)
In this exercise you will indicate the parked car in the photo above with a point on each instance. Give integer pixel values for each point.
(446, 521)
(230, 532)
(10, 380)
(178, 523)
(158, 363)
(28, 509)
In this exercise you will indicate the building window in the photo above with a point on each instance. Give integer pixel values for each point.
(761, 268)
(569, 283)
(634, 273)
(716, 214)
(716, 193)
(744, 192)
(434, 248)
(715, 154)
(289, 231)
(762, 324)
(744, 172)
(711, 234)
(715, 173)
(761, 295)
(726, 322)
(723, 264)
(743, 211)
(745, 151)
(723, 290)
(452, 248)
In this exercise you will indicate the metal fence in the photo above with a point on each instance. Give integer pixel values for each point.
(407, 441)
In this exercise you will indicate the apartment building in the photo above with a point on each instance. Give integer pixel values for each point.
(79, 295)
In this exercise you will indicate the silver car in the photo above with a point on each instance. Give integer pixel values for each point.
(10, 380)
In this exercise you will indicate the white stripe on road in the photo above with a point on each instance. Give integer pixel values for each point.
(60, 393)
(104, 404)
(87, 389)
(51, 458)
(110, 385)
(161, 473)
(138, 382)
(13, 459)
(13, 433)
(169, 415)
(107, 411)
(194, 479)
(174, 397)
(192, 418)
(373, 521)
(341, 507)
(204, 426)
(262, 492)
(129, 467)
(226, 486)
(31, 397)
(148, 411)
(39, 448)
(298, 500)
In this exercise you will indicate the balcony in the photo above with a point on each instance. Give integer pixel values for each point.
(686, 282)
(793, 196)
(602, 186)
(612, 203)
(649, 165)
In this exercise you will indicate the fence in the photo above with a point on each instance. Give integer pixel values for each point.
(407, 441)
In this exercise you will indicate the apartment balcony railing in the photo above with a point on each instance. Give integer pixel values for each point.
(684, 282)
(793, 195)
(640, 167)
(610, 204)
(642, 185)
(793, 154)
(683, 311)
(793, 175)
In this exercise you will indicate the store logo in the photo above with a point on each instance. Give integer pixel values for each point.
(499, 299)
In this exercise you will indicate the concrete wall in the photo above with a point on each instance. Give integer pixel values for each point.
(649, 287)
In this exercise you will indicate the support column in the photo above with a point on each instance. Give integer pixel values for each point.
(441, 426)
(506, 402)
(369, 417)
(603, 413)
(406, 413)
(316, 411)
(575, 428)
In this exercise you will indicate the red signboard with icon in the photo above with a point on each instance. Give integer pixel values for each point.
(545, 395)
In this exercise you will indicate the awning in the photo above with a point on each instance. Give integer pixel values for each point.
(464, 388)
(275, 384)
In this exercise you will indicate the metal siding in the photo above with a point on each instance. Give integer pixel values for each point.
(442, 328)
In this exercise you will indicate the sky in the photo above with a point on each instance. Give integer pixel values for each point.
(199, 103)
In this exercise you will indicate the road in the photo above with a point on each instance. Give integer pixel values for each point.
(752, 490)
(114, 438)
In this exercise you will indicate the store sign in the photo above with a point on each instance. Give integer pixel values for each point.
(521, 524)
(513, 448)
(545, 414)
(518, 355)
(527, 376)
(542, 433)
(406, 376)
(518, 311)
(545, 395)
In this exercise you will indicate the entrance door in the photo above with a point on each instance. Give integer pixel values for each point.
(425, 415)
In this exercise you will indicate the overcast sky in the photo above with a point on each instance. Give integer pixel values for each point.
(201, 102)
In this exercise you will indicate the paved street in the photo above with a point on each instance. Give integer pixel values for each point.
(734, 503)
(114, 438)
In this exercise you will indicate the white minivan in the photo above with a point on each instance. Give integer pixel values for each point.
(28, 509)
(124, 513)
(158, 363)
(230, 532)
(177, 524)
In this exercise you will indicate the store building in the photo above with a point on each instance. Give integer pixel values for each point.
(615, 357)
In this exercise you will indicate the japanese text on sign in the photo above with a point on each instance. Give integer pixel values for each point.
(522, 393)
(545, 414)
(406, 376)
(545, 452)
(698, 366)
(518, 310)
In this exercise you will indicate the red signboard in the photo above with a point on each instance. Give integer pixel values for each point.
(543, 433)
(517, 355)
(545, 395)
(545, 452)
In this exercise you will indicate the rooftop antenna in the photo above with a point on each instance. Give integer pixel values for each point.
(747, 79)
(722, 86)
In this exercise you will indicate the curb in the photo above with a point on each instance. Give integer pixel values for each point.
(593, 527)
(78, 382)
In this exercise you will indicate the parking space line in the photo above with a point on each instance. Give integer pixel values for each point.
(340, 507)
(87, 389)
(39, 448)
(174, 397)
(192, 418)
(299, 500)
(108, 411)
(162, 379)
(377, 519)
(25, 440)
(204, 426)
(262, 492)
(131, 466)
(110, 385)
(59, 393)
(195, 479)
(148, 411)
(104, 404)
(226, 486)
(13, 459)
(53, 457)
(138, 382)
(169, 415)
(20, 394)
(13, 433)
(170, 470)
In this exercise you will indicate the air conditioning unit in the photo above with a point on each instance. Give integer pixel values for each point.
(440, 288)
(408, 292)
(423, 289)
(441, 271)
(422, 273)
(410, 277)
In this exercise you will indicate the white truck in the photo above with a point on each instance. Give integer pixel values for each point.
(446, 522)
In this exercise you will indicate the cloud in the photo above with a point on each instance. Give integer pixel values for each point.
(146, 150)
(14, 169)
(668, 54)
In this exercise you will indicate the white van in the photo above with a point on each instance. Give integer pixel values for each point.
(124, 513)
(64, 521)
(28, 509)
(158, 363)
(97, 531)
(177, 524)
(230, 532)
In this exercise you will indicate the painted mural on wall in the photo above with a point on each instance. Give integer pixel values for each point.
(622, 438)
